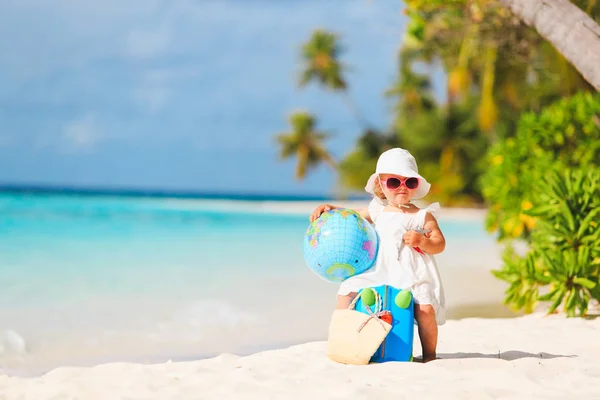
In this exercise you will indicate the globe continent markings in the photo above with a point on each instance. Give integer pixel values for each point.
(314, 232)
(369, 246)
(338, 272)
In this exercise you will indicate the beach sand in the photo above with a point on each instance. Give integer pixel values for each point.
(531, 357)
(486, 352)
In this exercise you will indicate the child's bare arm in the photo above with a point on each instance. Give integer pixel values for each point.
(320, 210)
(431, 243)
(434, 242)
(364, 212)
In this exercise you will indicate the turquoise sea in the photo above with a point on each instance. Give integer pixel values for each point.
(88, 278)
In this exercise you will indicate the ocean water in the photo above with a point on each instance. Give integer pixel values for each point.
(87, 279)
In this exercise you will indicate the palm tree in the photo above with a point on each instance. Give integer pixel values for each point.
(570, 30)
(305, 143)
(488, 52)
(413, 90)
(320, 59)
(320, 56)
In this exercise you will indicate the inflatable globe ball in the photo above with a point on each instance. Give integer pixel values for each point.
(340, 244)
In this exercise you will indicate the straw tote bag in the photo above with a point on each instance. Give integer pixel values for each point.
(355, 336)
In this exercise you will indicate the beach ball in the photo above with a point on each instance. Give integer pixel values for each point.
(340, 244)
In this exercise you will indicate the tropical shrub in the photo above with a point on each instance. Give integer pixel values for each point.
(564, 135)
(564, 252)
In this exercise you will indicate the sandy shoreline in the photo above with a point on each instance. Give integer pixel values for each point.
(532, 357)
(306, 207)
(312, 313)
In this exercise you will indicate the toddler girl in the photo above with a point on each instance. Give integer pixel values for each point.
(408, 239)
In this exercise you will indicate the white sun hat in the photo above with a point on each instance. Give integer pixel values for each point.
(400, 162)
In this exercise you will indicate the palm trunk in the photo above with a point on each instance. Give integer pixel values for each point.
(302, 162)
(571, 31)
(331, 162)
(327, 158)
(360, 118)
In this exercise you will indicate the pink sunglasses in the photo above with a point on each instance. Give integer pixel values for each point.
(395, 183)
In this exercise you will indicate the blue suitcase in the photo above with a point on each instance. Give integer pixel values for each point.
(398, 345)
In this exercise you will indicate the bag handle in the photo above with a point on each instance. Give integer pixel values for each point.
(372, 314)
(378, 302)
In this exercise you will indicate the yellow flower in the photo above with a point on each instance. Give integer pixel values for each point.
(497, 160)
(528, 220)
(526, 205)
(517, 231)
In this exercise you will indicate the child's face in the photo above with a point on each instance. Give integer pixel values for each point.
(398, 194)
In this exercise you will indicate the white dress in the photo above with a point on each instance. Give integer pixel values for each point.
(399, 265)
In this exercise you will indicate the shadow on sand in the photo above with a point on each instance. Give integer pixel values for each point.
(510, 355)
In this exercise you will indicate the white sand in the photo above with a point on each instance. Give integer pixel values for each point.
(518, 358)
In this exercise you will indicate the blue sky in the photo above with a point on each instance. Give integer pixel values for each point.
(179, 94)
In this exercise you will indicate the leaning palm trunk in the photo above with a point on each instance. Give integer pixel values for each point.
(571, 31)
(360, 118)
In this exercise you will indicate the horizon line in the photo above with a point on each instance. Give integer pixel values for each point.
(96, 190)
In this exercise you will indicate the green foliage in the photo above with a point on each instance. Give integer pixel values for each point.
(565, 135)
(564, 252)
(305, 143)
(356, 168)
(448, 145)
(495, 67)
(320, 57)
(358, 165)
(524, 279)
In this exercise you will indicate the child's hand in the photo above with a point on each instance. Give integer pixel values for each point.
(413, 239)
(320, 210)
